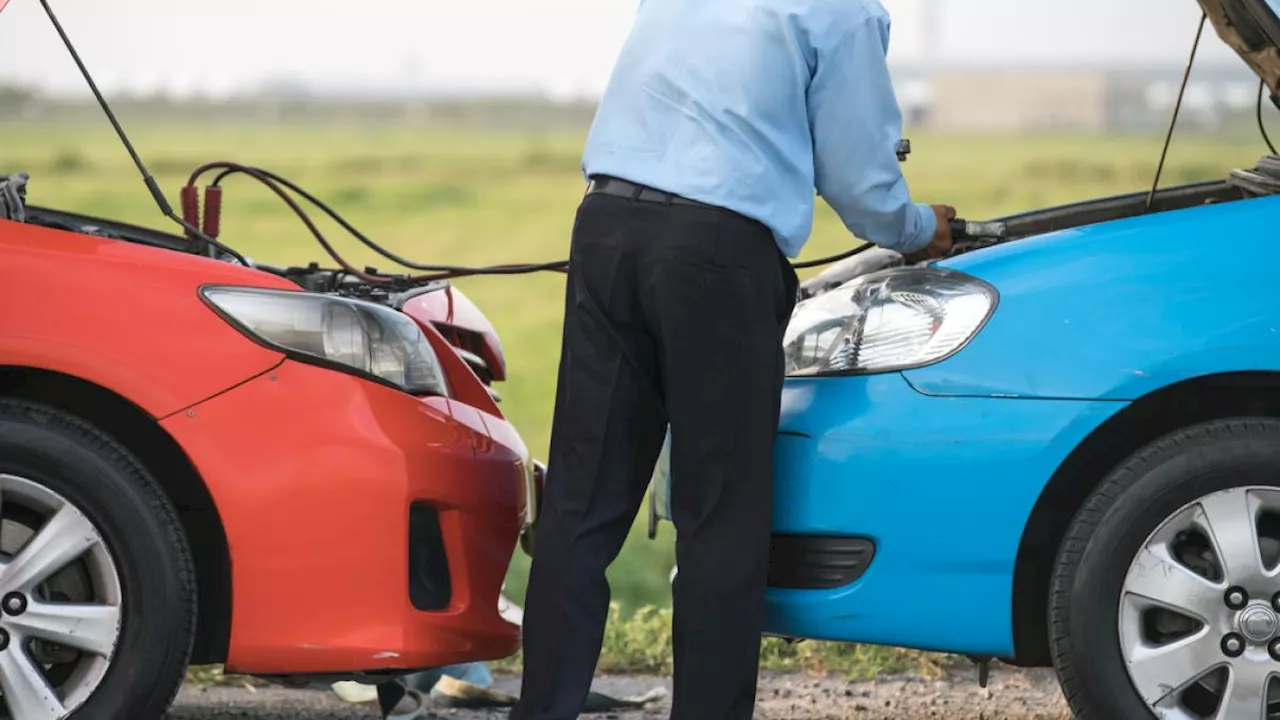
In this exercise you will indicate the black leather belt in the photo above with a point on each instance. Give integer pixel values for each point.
(631, 191)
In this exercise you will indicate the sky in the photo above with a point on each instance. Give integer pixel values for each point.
(565, 47)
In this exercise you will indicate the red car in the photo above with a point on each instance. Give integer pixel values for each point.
(288, 471)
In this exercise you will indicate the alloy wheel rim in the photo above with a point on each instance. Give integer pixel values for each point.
(1199, 614)
(60, 603)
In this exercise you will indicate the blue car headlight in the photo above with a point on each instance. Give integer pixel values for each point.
(886, 321)
(352, 336)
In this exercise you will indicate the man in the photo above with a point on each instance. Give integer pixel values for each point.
(721, 119)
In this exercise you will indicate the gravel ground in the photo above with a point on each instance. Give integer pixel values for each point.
(1010, 695)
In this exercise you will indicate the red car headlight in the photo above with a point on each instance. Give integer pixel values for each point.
(352, 336)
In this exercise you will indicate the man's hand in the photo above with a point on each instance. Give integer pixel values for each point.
(940, 245)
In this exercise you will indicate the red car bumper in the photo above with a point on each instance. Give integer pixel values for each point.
(368, 530)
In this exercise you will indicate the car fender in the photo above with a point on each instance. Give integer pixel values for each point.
(1117, 310)
(125, 317)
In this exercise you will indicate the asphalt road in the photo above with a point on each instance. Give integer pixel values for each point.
(1011, 695)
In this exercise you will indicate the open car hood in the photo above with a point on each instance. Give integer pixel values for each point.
(1252, 29)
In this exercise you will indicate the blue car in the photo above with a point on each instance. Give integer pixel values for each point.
(1059, 448)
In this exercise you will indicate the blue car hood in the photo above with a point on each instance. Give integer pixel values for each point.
(1115, 310)
(1252, 29)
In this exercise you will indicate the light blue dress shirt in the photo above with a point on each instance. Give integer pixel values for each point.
(753, 105)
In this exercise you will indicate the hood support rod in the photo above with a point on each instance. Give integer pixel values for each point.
(152, 187)
(1177, 107)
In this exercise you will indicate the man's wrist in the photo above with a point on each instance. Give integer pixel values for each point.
(920, 229)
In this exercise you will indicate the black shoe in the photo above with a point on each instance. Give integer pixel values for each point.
(390, 694)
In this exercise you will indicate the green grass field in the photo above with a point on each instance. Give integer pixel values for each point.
(465, 198)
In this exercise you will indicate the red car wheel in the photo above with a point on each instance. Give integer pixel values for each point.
(97, 587)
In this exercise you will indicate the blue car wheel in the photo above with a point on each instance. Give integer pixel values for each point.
(1166, 592)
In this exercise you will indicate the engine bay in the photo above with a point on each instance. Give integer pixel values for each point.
(312, 278)
(1242, 184)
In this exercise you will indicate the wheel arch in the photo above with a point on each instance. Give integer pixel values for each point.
(165, 459)
(1212, 397)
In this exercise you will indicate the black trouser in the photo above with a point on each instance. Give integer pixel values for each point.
(672, 314)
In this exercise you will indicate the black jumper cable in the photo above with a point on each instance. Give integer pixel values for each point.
(205, 227)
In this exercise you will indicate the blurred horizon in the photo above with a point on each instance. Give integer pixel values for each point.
(558, 49)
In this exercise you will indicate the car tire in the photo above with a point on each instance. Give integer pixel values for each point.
(94, 495)
(1170, 528)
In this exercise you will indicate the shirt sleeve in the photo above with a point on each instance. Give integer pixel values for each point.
(856, 125)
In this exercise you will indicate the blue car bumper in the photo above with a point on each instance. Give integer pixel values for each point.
(943, 487)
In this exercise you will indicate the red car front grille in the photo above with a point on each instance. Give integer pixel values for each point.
(471, 348)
